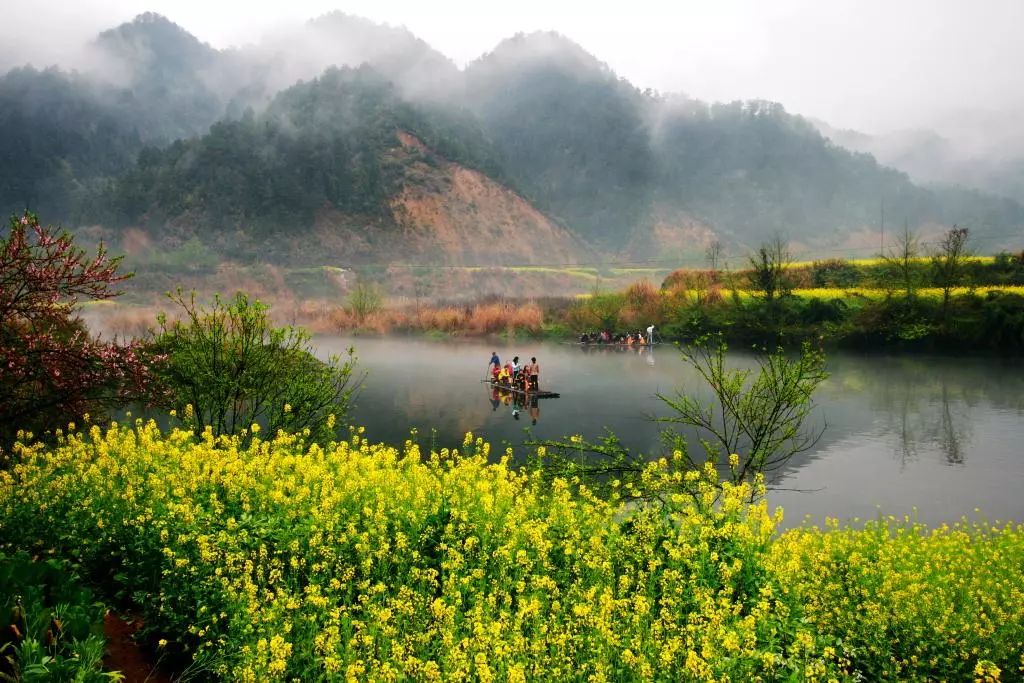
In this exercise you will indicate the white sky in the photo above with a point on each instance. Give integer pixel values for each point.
(874, 65)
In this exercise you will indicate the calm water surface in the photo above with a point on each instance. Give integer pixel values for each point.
(939, 436)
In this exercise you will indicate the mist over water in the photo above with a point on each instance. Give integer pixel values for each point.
(931, 436)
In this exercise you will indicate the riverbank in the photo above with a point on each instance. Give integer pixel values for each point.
(866, 305)
(969, 304)
(984, 321)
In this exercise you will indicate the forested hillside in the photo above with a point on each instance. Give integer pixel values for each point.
(572, 135)
(344, 145)
(931, 158)
(168, 77)
(750, 167)
(58, 133)
(63, 133)
(617, 163)
(249, 149)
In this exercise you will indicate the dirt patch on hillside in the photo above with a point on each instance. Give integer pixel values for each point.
(669, 233)
(455, 214)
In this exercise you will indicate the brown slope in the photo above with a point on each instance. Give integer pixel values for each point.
(669, 233)
(447, 213)
(460, 215)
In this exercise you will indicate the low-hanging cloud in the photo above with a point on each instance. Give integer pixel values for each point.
(869, 65)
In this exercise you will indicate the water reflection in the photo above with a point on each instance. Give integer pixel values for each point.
(534, 410)
(936, 437)
(952, 433)
(923, 405)
(518, 403)
(636, 349)
(941, 435)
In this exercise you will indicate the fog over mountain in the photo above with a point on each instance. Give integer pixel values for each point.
(991, 161)
(340, 125)
(869, 65)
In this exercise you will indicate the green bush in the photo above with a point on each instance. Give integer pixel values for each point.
(227, 368)
(835, 273)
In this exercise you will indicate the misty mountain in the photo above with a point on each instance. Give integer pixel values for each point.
(151, 82)
(62, 133)
(338, 39)
(619, 165)
(748, 167)
(323, 142)
(344, 152)
(164, 76)
(151, 50)
(751, 165)
(59, 133)
(249, 148)
(928, 157)
(571, 134)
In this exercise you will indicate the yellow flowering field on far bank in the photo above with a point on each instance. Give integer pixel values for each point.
(865, 293)
(265, 560)
(879, 260)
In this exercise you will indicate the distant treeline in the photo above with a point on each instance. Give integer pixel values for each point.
(842, 303)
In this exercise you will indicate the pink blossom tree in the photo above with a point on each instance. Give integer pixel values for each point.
(51, 369)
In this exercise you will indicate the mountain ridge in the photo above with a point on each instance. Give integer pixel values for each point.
(616, 169)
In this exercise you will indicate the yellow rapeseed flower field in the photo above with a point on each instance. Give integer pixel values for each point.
(868, 293)
(875, 293)
(878, 260)
(282, 560)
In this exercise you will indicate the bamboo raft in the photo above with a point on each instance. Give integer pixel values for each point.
(527, 392)
(610, 345)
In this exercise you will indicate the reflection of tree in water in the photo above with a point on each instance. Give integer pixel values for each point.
(907, 449)
(952, 434)
(931, 408)
(928, 403)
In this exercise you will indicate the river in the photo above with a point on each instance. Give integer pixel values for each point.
(936, 437)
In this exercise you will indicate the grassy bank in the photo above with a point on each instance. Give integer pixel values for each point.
(861, 304)
(283, 561)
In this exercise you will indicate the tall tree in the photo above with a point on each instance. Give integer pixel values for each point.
(714, 255)
(768, 268)
(948, 263)
(901, 261)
